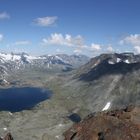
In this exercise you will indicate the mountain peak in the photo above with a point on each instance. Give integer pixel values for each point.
(109, 64)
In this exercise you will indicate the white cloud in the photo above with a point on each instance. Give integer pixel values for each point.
(4, 15)
(110, 49)
(59, 51)
(64, 40)
(21, 43)
(1, 37)
(95, 47)
(137, 49)
(131, 39)
(77, 51)
(77, 43)
(45, 21)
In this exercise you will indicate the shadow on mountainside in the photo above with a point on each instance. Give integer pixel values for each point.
(104, 68)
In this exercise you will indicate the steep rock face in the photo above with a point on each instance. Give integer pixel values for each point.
(121, 124)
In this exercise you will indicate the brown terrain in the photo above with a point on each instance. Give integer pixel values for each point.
(121, 124)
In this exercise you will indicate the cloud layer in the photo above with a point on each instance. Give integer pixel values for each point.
(133, 40)
(64, 40)
(110, 49)
(77, 43)
(1, 37)
(23, 42)
(96, 47)
(45, 21)
(4, 15)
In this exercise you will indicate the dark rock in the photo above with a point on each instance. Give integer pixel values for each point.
(113, 125)
(7, 137)
(75, 117)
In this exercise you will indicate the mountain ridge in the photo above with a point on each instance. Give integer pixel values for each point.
(12, 62)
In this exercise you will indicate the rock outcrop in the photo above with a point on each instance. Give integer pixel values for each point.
(7, 137)
(121, 124)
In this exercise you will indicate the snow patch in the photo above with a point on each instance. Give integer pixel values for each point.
(6, 56)
(107, 106)
(118, 60)
(127, 61)
(5, 81)
(57, 136)
(10, 113)
(60, 125)
(110, 62)
(5, 129)
(16, 57)
(31, 57)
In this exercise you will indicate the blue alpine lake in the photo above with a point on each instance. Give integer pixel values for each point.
(18, 99)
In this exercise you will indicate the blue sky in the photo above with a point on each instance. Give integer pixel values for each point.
(88, 27)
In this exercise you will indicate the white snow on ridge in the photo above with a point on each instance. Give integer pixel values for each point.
(6, 56)
(57, 57)
(110, 62)
(17, 57)
(118, 60)
(107, 106)
(127, 61)
(31, 57)
(10, 57)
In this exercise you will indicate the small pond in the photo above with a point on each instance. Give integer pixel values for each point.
(75, 117)
(18, 99)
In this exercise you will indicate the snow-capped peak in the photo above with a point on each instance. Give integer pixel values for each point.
(17, 57)
(9, 57)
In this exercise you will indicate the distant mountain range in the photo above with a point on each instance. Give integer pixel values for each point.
(10, 62)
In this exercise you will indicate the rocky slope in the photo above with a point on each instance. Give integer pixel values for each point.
(121, 124)
(111, 79)
(107, 64)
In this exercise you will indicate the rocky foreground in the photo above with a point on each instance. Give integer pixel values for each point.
(7, 137)
(121, 124)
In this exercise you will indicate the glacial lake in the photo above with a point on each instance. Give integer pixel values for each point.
(24, 98)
